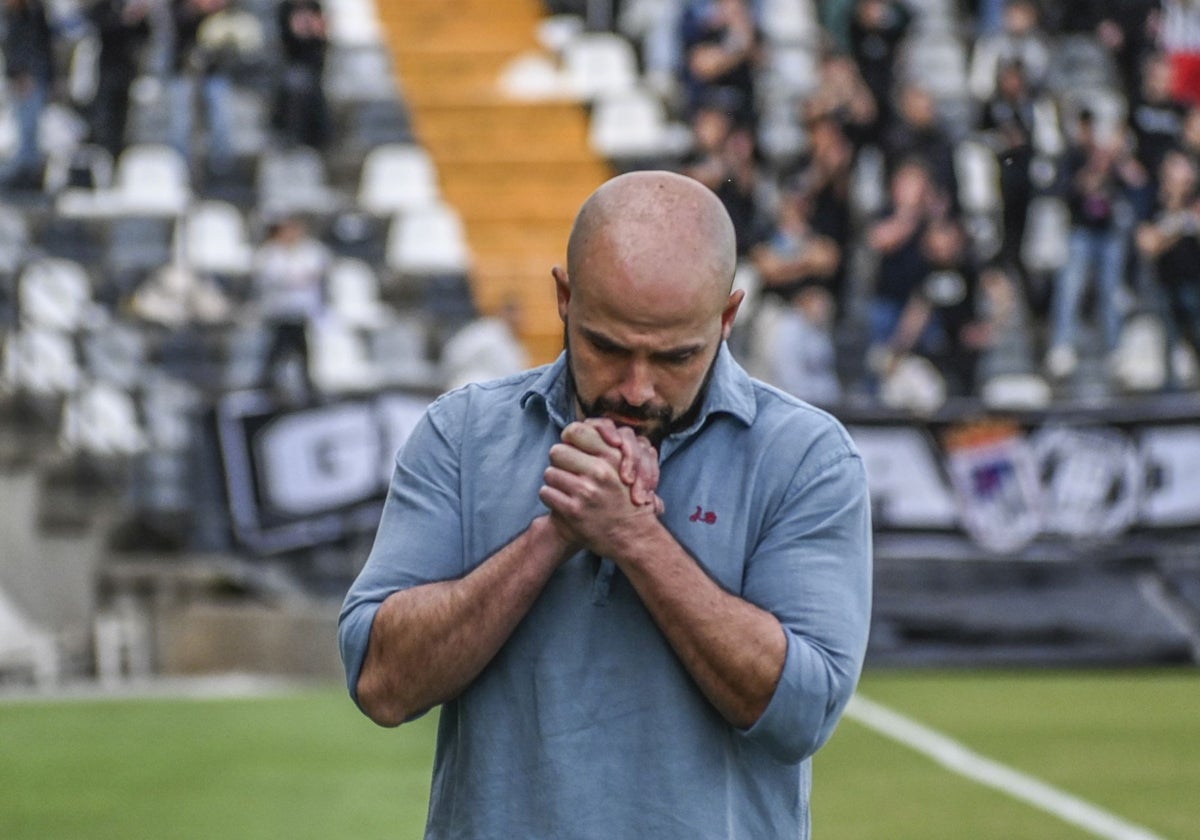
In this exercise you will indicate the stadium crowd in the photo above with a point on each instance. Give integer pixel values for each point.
(1040, 165)
(994, 199)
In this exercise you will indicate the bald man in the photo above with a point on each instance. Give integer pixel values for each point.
(636, 580)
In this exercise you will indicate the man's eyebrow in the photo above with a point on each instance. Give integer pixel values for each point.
(604, 342)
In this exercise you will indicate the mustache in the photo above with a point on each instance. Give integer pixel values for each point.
(604, 405)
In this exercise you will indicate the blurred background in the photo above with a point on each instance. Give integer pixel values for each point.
(243, 243)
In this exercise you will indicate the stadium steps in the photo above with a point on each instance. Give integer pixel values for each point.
(515, 171)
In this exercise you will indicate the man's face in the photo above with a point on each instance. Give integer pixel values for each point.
(659, 414)
(639, 361)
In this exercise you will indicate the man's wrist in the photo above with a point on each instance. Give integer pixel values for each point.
(549, 537)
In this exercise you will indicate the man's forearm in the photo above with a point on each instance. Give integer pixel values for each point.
(733, 649)
(429, 642)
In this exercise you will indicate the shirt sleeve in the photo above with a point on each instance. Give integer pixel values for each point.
(812, 571)
(419, 539)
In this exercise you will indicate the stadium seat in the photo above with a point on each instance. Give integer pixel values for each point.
(399, 351)
(294, 181)
(1046, 233)
(56, 294)
(212, 239)
(14, 240)
(792, 70)
(353, 23)
(116, 354)
(554, 32)
(339, 360)
(781, 138)
(427, 241)
(599, 63)
(789, 22)
(102, 420)
(168, 408)
(937, 62)
(41, 361)
(978, 177)
(533, 76)
(149, 180)
(357, 73)
(354, 294)
(1079, 62)
(152, 179)
(633, 125)
(397, 177)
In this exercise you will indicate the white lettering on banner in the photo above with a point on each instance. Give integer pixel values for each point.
(1091, 480)
(906, 484)
(1172, 490)
(314, 461)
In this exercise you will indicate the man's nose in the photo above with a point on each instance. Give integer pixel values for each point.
(637, 386)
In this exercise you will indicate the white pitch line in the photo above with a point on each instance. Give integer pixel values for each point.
(958, 758)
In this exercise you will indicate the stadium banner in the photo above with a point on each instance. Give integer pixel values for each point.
(1119, 481)
(964, 484)
(300, 477)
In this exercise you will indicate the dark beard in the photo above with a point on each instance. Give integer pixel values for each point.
(656, 423)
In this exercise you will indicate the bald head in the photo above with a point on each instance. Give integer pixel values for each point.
(653, 220)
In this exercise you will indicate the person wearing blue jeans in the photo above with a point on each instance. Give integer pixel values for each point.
(196, 73)
(1099, 174)
(29, 68)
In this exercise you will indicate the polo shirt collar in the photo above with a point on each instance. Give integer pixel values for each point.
(730, 391)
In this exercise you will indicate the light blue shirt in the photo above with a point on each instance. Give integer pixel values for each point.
(586, 725)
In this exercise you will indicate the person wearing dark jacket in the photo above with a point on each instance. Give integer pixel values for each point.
(301, 110)
(122, 27)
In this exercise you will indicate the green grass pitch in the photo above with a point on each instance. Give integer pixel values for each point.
(307, 765)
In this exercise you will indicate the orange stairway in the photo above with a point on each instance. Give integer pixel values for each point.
(516, 171)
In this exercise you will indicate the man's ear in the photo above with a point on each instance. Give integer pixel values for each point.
(729, 314)
(562, 288)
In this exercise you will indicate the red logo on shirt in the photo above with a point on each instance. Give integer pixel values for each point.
(708, 517)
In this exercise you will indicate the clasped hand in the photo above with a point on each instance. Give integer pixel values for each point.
(600, 485)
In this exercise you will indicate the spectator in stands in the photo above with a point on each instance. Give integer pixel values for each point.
(1171, 242)
(1189, 134)
(794, 255)
(842, 95)
(1156, 119)
(122, 27)
(1127, 30)
(1008, 119)
(947, 301)
(823, 178)
(289, 288)
(732, 173)
(588, 638)
(1022, 39)
(302, 113)
(722, 52)
(1180, 40)
(1098, 173)
(803, 360)
(29, 68)
(211, 41)
(876, 30)
(898, 237)
(792, 342)
(917, 132)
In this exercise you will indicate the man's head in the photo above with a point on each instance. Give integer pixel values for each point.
(646, 298)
